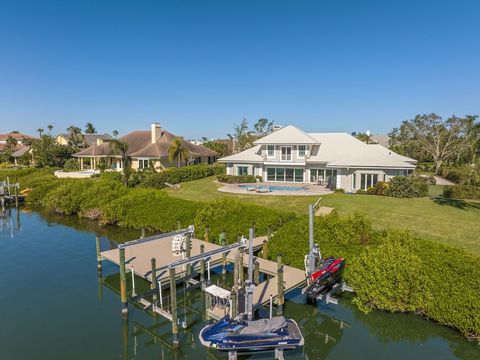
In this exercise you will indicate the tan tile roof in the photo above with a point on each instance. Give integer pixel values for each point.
(16, 136)
(140, 145)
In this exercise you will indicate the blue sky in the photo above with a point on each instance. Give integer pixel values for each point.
(198, 67)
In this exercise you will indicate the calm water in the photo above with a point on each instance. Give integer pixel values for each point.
(53, 305)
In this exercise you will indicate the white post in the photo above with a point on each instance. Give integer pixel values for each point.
(271, 306)
(133, 283)
(208, 271)
(160, 294)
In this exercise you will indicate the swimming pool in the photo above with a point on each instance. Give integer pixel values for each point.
(274, 187)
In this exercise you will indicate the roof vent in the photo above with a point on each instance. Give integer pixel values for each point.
(276, 127)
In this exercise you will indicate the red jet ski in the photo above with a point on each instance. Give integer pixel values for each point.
(323, 278)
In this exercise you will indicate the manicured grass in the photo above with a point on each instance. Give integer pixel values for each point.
(206, 190)
(450, 221)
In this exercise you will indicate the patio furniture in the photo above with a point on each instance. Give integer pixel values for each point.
(263, 190)
(321, 182)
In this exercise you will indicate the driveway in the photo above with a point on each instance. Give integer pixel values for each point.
(441, 181)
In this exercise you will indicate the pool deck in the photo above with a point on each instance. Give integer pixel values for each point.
(308, 189)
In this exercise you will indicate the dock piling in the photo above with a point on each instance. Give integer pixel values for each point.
(16, 195)
(133, 282)
(235, 269)
(256, 273)
(202, 267)
(173, 304)
(207, 231)
(265, 249)
(223, 242)
(188, 245)
(280, 298)
(153, 285)
(123, 281)
(99, 256)
(240, 267)
(233, 297)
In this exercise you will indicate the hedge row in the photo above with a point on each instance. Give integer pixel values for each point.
(464, 175)
(178, 175)
(401, 187)
(391, 270)
(462, 192)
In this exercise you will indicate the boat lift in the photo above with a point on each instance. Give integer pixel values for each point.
(314, 259)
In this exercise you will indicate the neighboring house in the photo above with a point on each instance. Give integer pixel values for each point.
(145, 148)
(20, 148)
(336, 160)
(381, 139)
(88, 139)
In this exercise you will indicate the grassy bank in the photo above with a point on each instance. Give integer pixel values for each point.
(454, 222)
(390, 269)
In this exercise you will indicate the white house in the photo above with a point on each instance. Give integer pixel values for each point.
(335, 160)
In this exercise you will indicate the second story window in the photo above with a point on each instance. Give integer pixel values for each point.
(286, 153)
(270, 150)
(301, 151)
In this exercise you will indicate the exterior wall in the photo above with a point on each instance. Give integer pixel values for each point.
(60, 140)
(277, 158)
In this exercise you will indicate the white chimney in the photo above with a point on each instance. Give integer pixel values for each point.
(156, 130)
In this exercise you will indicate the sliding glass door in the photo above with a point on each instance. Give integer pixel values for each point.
(285, 174)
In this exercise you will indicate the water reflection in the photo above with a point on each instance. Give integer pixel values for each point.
(10, 220)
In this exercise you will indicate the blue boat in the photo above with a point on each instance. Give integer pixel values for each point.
(258, 335)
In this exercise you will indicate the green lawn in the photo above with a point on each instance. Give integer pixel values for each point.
(450, 221)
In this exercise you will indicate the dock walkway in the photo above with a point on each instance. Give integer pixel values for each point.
(139, 257)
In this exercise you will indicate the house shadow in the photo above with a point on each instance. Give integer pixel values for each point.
(457, 203)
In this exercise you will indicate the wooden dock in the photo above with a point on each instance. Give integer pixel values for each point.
(138, 256)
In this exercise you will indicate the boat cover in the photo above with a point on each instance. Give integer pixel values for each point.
(264, 326)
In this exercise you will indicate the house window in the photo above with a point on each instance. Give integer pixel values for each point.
(242, 170)
(271, 150)
(270, 174)
(301, 151)
(143, 163)
(286, 153)
(280, 172)
(368, 180)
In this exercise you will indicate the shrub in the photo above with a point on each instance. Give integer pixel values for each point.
(71, 165)
(235, 218)
(178, 175)
(462, 192)
(360, 192)
(392, 270)
(380, 188)
(151, 209)
(339, 191)
(428, 179)
(465, 175)
(406, 187)
(234, 179)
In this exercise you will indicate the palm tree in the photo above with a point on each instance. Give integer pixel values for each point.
(177, 151)
(121, 148)
(115, 133)
(50, 128)
(40, 132)
(90, 129)
(75, 135)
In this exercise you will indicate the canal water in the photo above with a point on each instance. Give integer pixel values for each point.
(53, 305)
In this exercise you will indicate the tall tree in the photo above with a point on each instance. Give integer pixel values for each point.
(177, 151)
(366, 138)
(40, 132)
(90, 129)
(263, 126)
(50, 128)
(243, 136)
(121, 148)
(473, 138)
(115, 133)
(219, 147)
(75, 135)
(432, 136)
